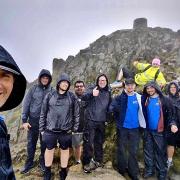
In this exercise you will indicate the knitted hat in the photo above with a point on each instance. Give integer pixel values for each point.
(156, 61)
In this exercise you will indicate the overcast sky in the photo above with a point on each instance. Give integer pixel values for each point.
(36, 31)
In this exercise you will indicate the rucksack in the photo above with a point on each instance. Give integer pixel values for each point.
(149, 66)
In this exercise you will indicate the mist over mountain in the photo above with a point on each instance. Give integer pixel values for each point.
(105, 55)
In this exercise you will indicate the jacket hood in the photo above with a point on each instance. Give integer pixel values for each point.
(19, 87)
(63, 77)
(97, 81)
(154, 85)
(177, 89)
(46, 73)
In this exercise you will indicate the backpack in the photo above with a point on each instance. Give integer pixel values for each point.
(157, 72)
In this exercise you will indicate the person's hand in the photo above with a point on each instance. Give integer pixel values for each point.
(95, 91)
(161, 86)
(42, 133)
(174, 128)
(26, 126)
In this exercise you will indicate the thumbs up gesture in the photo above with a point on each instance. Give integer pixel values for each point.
(95, 91)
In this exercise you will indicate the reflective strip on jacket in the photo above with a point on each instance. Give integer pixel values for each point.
(148, 75)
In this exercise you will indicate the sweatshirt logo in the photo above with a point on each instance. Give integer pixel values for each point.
(135, 102)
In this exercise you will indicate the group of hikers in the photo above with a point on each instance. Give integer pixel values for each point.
(66, 120)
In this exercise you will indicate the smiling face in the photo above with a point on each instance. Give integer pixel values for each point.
(44, 80)
(173, 89)
(63, 86)
(151, 90)
(6, 85)
(130, 87)
(79, 88)
(102, 82)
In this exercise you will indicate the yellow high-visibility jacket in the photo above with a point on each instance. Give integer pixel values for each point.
(148, 75)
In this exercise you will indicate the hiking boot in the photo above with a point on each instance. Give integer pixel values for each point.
(63, 174)
(148, 175)
(87, 168)
(98, 164)
(169, 164)
(26, 169)
(42, 166)
(92, 165)
(47, 173)
(135, 178)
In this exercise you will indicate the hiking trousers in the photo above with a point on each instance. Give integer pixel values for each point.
(155, 153)
(32, 138)
(93, 139)
(127, 149)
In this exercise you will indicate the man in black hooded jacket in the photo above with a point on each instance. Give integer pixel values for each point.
(31, 115)
(98, 98)
(159, 116)
(59, 118)
(12, 89)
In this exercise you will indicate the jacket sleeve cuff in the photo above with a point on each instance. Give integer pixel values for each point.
(24, 121)
(173, 123)
(75, 130)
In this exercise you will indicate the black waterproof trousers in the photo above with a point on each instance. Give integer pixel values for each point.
(93, 139)
(155, 154)
(6, 169)
(127, 149)
(32, 138)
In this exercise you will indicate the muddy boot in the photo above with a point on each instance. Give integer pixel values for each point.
(47, 173)
(63, 173)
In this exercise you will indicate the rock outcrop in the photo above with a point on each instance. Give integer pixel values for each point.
(105, 55)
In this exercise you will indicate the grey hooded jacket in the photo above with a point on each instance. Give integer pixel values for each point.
(60, 112)
(33, 100)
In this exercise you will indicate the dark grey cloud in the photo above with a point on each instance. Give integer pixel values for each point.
(36, 31)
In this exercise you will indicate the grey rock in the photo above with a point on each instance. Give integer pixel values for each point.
(105, 55)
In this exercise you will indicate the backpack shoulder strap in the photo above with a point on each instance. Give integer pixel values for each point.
(50, 94)
(157, 74)
(149, 66)
(33, 89)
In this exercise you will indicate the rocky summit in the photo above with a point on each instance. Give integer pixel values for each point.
(105, 55)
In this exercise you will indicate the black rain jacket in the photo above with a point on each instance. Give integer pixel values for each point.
(60, 112)
(15, 98)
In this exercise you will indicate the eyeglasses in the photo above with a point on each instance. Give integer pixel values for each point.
(80, 86)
